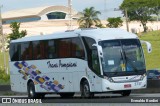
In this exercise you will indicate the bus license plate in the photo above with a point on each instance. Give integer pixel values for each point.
(127, 86)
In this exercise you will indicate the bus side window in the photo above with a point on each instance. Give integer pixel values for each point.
(36, 50)
(42, 49)
(26, 51)
(64, 48)
(14, 52)
(95, 60)
(51, 49)
(77, 49)
(88, 42)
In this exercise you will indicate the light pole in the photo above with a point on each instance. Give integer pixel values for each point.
(70, 13)
(2, 40)
(126, 17)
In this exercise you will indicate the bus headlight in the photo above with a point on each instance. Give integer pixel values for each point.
(142, 77)
(108, 78)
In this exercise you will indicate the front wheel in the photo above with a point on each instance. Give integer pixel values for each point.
(85, 90)
(126, 93)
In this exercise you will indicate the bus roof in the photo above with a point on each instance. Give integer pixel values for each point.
(97, 34)
(108, 33)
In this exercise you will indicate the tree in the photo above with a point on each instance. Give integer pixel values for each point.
(15, 31)
(140, 10)
(114, 22)
(89, 18)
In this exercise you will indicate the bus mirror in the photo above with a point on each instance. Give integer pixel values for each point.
(149, 46)
(100, 50)
(95, 46)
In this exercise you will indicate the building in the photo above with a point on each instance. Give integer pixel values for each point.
(39, 13)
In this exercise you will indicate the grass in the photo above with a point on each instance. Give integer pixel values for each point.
(152, 59)
(2, 59)
(4, 82)
(4, 78)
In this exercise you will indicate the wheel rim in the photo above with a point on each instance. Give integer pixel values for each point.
(86, 90)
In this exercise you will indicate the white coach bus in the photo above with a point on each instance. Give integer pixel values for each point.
(87, 61)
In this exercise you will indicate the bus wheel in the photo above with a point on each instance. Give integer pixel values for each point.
(31, 90)
(66, 95)
(85, 90)
(126, 93)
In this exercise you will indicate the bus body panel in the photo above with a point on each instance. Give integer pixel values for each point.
(48, 73)
(111, 86)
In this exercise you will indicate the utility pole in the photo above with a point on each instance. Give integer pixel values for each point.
(70, 13)
(2, 40)
(126, 15)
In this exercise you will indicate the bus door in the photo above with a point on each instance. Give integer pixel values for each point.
(96, 69)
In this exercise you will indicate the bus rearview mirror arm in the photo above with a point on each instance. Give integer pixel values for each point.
(149, 46)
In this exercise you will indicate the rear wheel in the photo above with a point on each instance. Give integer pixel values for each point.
(126, 93)
(66, 95)
(85, 90)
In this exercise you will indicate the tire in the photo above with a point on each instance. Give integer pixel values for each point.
(126, 93)
(66, 95)
(85, 90)
(31, 90)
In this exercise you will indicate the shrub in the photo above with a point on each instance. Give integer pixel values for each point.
(3, 75)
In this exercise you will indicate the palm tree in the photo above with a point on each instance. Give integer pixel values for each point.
(89, 18)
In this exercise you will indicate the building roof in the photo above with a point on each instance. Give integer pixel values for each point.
(38, 11)
(97, 34)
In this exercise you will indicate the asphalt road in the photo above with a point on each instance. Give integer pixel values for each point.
(99, 98)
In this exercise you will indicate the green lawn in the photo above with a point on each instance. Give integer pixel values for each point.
(152, 59)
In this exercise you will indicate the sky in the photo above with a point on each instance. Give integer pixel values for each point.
(106, 7)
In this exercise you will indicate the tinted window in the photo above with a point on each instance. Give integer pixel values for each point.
(43, 53)
(51, 49)
(65, 48)
(93, 60)
(15, 52)
(88, 44)
(26, 51)
(56, 15)
(47, 49)
(77, 48)
(36, 50)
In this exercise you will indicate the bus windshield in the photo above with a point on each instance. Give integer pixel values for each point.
(123, 55)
